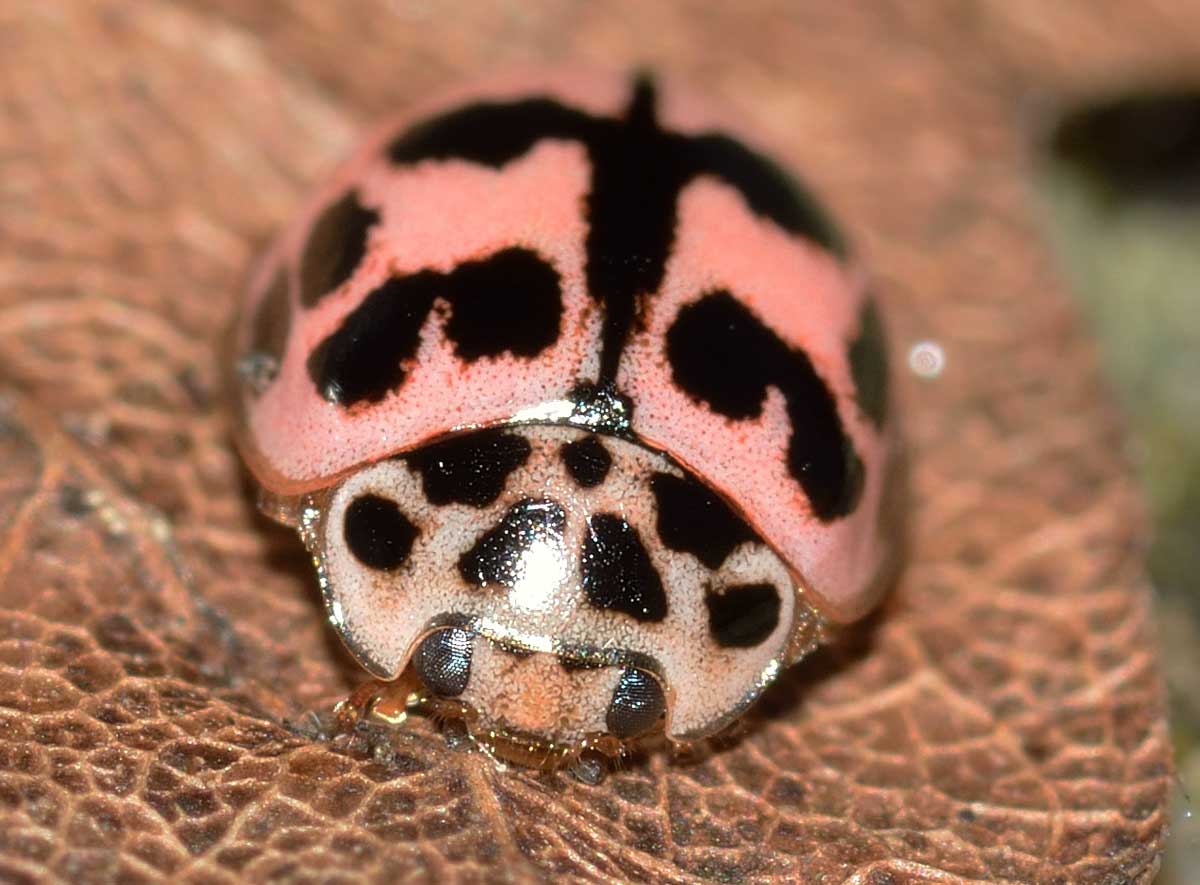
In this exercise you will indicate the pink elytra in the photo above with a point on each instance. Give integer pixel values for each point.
(580, 403)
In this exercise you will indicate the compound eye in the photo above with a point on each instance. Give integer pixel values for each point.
(443, 661)
(637, 704)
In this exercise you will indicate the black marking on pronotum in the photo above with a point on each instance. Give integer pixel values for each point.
(510, 302)
(693, 519)
(443, 661)
(637, 704)
(722, 354)
(587, 461)
(744, 615)
(336, 244)
(498, 556)
(471, 468)
(868, 365)
(617, 571)
(638, 172)
(377, 532)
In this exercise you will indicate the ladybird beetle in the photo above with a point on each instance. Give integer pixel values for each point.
(579, 402)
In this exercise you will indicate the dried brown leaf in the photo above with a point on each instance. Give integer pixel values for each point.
(1002, 718)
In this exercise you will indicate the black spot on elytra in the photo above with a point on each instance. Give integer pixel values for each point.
(471, 468)
(496, 558)
(377, 532)
(868, 366)
(693, 519)
(769, 190)
(638, 172)
(272, 320)
(443, 661)
(510, 302)
(637, 704)
(744, 615)
(587, 461)
(722, 354)
(617, 571)
(336, 245)
(488, 133)
(365, 358)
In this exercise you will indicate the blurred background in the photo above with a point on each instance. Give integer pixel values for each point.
(1118, 179)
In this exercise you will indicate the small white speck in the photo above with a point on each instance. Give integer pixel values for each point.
(555, 410)
(926, 359)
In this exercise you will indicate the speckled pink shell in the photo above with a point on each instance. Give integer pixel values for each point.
(437, 214)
